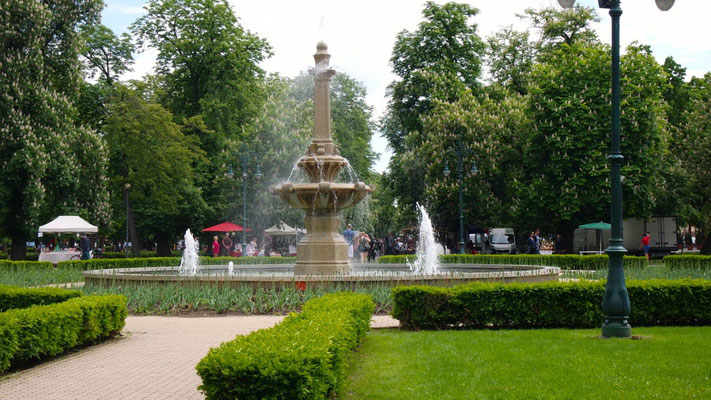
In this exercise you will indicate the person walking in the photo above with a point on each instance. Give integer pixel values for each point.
(558, 246)
(226, 245)
(532, 243)
(538, 241)
(645, 246)
(363, 245)
(348, 235)
(85, 246)
(215, 247)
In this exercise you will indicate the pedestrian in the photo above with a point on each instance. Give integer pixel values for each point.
(645, 246)
(215, 247)
(532, 243)
(348, 235)
(363, 245)
(538, 241)
(85, 246)
(226, 245)
(558, 247)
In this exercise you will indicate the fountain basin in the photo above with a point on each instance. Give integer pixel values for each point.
(322, 195)
(279, 276)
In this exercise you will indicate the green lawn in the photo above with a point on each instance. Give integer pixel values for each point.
(668, 363)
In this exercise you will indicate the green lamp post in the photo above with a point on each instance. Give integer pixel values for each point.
(616, 302)
(460, 153)
(245, 156)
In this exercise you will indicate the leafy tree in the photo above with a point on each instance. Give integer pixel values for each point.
(567, 175)
(558, 27)
(149, 152)
(106, 54)
(439, 61)
(510, 58)
(51, 165)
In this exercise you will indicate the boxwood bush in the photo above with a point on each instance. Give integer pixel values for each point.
(304, 357)
(564, 261)
(6, 265)
(16, 297)
(688, 262)
(549, 305)
(30, 334)
(168, 262)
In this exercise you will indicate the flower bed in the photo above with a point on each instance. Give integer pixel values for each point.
(304, 357)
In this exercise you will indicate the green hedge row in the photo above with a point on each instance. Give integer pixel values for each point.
(168, 262)
(6, 265)
(564, 261)
(12, 297)
(688, 261)
(32, 333)
(549, 305)
(29, 256)
(304, 357)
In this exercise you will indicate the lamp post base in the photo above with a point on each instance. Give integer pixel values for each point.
(616, 327)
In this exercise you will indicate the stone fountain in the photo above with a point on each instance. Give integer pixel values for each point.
(323, 251)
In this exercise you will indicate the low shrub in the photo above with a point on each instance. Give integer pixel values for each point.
(549, 305)
(6, 265)
(563, 261)
(167, 262)
(12, 297)
(304, 357)
(30, 334)
(688, 262)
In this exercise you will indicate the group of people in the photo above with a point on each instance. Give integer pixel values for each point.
(369, 248)
(226, 246)
(534, 242)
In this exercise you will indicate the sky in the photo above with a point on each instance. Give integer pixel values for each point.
(360, 35)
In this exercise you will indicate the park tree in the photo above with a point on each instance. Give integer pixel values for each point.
(151, 173)
(439, 61)
(510, 57)
(556, 27)
(567, 174)
(106, 56)
(51, 163)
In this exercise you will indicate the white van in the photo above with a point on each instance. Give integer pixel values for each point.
(502, 241)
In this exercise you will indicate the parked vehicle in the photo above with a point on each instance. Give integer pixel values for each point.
(662, 235)
(502, 241)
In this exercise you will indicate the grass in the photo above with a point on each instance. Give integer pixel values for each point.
(30, 276)
(171, 299)
(670, 363)
(653, 271)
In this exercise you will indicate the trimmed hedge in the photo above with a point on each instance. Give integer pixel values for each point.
(32, 333)
(12, 297)
(304, 357)
(6, 265)
(688, 261)
(168, 262)
(549, 305)
(564, 261)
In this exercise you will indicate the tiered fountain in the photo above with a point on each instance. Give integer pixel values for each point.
(323, 251)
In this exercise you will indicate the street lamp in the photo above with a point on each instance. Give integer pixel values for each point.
(616, 301)
(245, 156)
(460, 153)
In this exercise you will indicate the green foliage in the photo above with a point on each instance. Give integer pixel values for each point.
(563, 261)
(688, 261)
(510, 59)
(108, 263)
(106, 54)
(14, 297)
(15, 265)
(559, 27)
(42, 331)
(51, 164)
(304, 357)
(549, 305)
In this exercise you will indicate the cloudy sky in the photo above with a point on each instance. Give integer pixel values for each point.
(361, 34)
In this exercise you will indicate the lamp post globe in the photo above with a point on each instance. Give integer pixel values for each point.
(566, 3)
(664, 5)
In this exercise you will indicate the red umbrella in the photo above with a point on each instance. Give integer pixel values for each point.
(226, 227)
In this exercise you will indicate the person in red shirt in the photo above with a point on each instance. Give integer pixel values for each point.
(645, 245)
(215, 247)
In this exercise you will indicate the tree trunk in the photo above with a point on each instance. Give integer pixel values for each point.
(706, 248)
(19, 249)
(164, 248)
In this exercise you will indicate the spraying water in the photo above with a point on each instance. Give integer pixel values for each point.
(190, 261)
(230, 268)
(426, 262)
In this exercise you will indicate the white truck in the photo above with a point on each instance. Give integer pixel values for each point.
(662, 234)
(502, 241)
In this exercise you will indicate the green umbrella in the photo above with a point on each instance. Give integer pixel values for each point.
(596, 225)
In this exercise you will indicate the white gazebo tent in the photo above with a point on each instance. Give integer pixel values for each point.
(283, 229)
(68, 224)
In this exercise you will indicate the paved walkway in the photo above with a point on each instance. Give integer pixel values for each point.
(154, 359)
